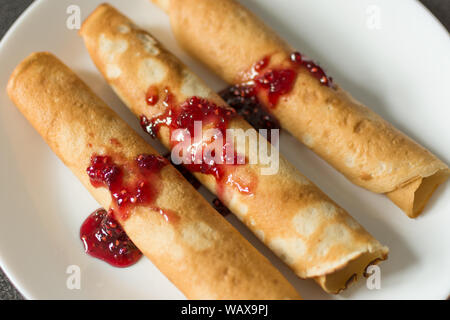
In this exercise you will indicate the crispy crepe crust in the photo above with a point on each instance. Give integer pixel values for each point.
(201, 253)
(357, 142)
(312, 234)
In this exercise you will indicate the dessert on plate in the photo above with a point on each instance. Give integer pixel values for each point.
(305, 228)
(164, 216)
(258, 64)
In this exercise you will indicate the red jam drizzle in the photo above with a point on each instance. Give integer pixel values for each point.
(104, 238)
(142, 190)
(315, 70)
(184, 116)
(246, 103)
(275, 82)
(152, 96)
(256, 69)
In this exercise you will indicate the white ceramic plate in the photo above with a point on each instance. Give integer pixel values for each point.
(392, 55)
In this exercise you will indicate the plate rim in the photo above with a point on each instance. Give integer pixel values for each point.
(15, 280)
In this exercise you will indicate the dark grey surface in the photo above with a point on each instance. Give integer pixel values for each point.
(441, 9)
(10, 11)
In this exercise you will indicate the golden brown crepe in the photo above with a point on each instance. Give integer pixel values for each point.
(200, 252)
(304, 227)
(369, 151)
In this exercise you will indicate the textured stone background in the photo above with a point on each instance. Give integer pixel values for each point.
(10, 10)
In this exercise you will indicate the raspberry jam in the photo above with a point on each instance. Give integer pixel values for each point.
(273, 83)
(139, 189)
(315, 70)
(246, 103)
(184, 116)
(212, 116)
(152, 96)
(104, 238)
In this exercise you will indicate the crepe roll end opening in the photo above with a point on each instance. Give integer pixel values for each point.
(23, 66)
(341, 279)
(102, 8)
(413, 197)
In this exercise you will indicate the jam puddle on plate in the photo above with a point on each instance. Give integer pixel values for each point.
(104, 239)
(102, 235)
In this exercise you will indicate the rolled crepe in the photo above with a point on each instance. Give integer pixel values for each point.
(199, 251)
(304, 227)
(366, 149)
